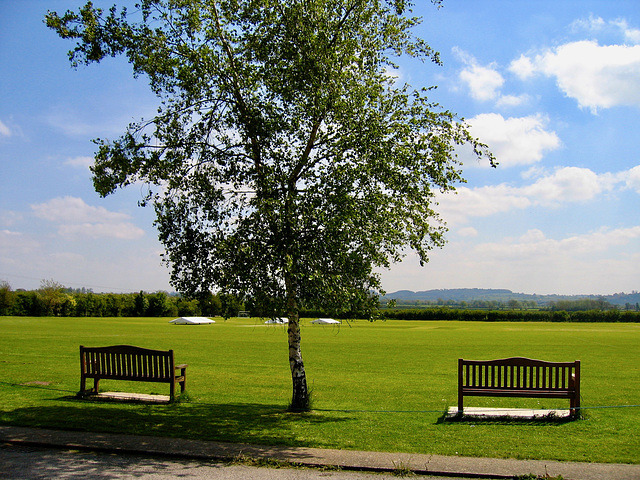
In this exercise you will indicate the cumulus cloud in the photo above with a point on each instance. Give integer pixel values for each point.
(534, 244)
(596, 76)
(523, 67)
(480, 202)
(632, 178)
(515, 140)
(631, 34)
(77, 219)
(563, 186)
(568, 184)
(484, 82)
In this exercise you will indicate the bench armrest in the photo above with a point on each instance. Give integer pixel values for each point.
(183, 365)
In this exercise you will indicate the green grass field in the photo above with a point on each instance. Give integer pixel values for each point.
(380, 386)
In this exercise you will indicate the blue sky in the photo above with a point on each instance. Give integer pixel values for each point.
(552, 86)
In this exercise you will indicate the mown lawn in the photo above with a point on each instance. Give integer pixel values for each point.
(376, 386)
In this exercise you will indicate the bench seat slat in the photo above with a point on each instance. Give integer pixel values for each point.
(506, 392)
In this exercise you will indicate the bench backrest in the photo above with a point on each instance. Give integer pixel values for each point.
(126, 362)
(519, 373)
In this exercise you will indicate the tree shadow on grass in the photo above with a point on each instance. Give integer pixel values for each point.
(234, 423)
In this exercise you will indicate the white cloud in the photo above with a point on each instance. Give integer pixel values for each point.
(596, 76)
(631, 34)
(83, 162)
(73, 209)
(568, 184)
(9, 234)
(480, 202)
(512, 100)
(598, 25)
(396, 75)
(515, 140)
(484, 82)
(591, 24)
(75, 218)
(5, 131)
(632, 178)
(534, 244)
(530, 263)
(563, 186)
(523, 67)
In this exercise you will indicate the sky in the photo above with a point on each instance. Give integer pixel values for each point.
(552, 87)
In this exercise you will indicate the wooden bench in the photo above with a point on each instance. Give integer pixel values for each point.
(519, 377)
(126, 362)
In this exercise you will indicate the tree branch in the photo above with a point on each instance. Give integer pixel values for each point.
(255, 144)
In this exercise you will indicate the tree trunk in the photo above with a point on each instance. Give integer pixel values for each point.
(300, 400)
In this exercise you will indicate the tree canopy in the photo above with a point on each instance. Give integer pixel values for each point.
(285, 162)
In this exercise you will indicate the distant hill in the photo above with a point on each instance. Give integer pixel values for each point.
(499, 295)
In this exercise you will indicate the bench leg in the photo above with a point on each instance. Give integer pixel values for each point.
(460, 404)
(574, 407)
(183, 383)
(83, 386)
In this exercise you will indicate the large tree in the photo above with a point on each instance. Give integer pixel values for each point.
(285, 163)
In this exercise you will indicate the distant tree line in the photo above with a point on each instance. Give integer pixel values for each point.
(476, 304)
(54, 299)
(581, 304)
(443, 313)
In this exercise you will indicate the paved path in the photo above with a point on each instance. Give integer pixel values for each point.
(436, 465)
(35, 463)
